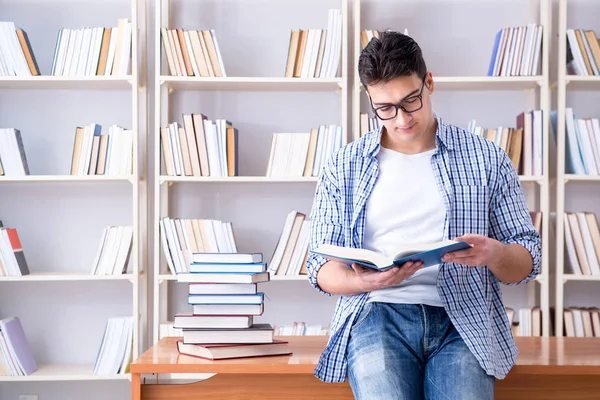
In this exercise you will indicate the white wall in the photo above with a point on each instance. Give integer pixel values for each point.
(60, 224)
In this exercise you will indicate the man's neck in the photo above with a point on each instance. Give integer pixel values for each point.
(425, 143)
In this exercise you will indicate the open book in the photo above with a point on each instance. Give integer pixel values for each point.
(428, 253)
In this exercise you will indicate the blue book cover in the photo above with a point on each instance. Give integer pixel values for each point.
(429, 254)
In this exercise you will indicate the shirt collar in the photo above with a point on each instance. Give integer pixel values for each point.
(443, 138)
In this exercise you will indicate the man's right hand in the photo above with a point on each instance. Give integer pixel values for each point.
(371, 279)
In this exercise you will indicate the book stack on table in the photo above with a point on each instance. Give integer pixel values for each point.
(223, 293)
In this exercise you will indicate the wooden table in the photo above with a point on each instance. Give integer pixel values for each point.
(547, 368)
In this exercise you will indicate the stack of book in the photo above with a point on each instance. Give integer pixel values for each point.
(223, 293)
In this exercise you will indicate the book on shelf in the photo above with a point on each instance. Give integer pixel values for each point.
(192, 52)
(97, 153)
(367, 34)
(315, 52)
(581, 322)
(12, 256)
(112, 257)
(517, 51)
(201, 147)
(221, 324)
(529, 321)
(303, 154)
(94, 51)
(582, 156)
(582, 240)
(182, 237)
(291, 250)
(428, 253)
(115, 353)
(13, 161)
(301, 329)
(367, 124)
(583, 52)
(523, 143)
(16, 357)
(16, 54)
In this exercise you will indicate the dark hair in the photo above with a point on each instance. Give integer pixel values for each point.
(390, 56)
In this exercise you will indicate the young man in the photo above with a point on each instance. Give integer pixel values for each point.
(409, 333)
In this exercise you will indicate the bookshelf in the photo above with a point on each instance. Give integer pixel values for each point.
(60, 217)
(574, 192)
(461, 78)
(259, 100)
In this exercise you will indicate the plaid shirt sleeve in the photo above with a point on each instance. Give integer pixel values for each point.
(326, 221)
(510, 221)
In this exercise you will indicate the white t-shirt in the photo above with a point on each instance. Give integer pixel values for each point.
(405, 206)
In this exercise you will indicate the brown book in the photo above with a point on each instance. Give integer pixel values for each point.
(312, 149)
(515, 148)
(103, 51)
(94, 157)
(188, 124)
(584, 54)
(185, 152)
(212, 52)
(201, 143)
(187, 63)
(321, 53)
(77, 150)
(579, 246)
(590, 35)
(28, 52)
(302, 38)
(102, 153)
(232, 151)
(292, 50)
(225, 351)
(592, 222)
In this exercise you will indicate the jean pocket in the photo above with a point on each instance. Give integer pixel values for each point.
(363, 315)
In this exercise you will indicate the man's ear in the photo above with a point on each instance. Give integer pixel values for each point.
(429, 82)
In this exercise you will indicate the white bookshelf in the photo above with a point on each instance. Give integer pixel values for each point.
(471, 61)
(249, 82)
(57, 105)
(574, 193)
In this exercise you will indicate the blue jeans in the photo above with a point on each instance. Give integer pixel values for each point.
(412, 351)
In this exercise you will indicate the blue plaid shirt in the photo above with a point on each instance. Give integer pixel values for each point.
(482, 195)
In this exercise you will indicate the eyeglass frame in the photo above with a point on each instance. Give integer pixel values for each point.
(399, 105)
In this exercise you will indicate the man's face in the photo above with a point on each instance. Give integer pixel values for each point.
(411, 92)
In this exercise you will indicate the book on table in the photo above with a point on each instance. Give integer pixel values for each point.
(428, 253)
(221, 351)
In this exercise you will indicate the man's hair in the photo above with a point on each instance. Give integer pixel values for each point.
(390, 56)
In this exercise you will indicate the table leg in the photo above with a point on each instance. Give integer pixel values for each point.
(136, 387)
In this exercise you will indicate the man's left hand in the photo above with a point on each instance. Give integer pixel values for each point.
(484, 251)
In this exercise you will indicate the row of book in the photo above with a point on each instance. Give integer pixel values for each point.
(98, 153)
(192, 52)
(582, 155)
(583, 52)
(368, 123)
(115, 353)
(315, 53)
(94, 51)
(291, 251)
(16, 357)
(581, 322)
(12, 256)
(529, 322)
(303, 154)
(522, 143)
(223, 293)
(582, 240)
(114, 251)
(517, 51)
(13, 161)
(16, 54)
(182, 237)
(201, 147)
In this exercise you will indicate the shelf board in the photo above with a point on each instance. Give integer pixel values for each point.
(251, 83)
(232, 179)
(482, 83)
(67, 178)
(573, 277)
(66, 82)
(531, 178)
(65, 276)
(576, 82)
(581, 178)
(64, 372)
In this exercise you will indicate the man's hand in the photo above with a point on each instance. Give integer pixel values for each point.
(484, 251)
(371, 279)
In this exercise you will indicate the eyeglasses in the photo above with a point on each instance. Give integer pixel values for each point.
(408, 105)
